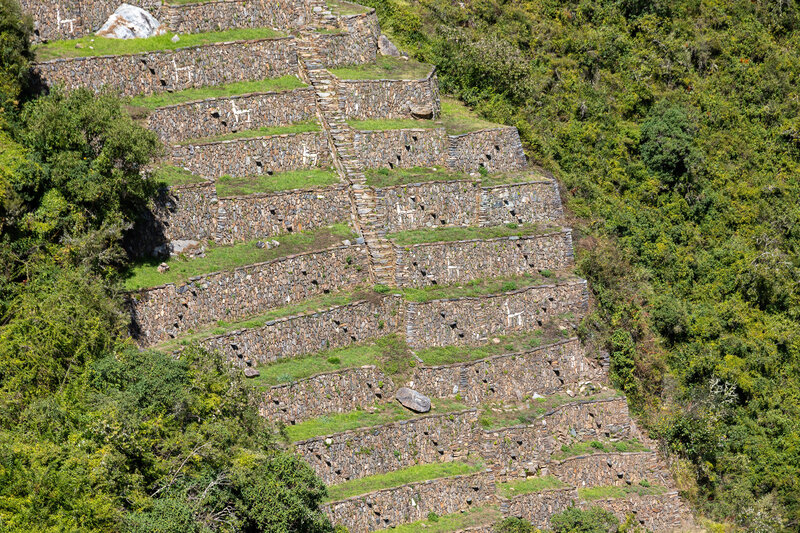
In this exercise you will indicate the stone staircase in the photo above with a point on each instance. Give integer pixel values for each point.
(579, 407)
(350, 167)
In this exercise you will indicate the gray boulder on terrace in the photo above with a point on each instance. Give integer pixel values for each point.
(387, 47)
(131, 22)
(411, 399)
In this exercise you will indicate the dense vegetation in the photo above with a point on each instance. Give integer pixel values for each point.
(673, 128)
(94, 434)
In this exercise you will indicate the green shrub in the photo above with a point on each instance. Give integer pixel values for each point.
(593, 520)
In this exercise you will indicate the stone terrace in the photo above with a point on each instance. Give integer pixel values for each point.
(525, 414)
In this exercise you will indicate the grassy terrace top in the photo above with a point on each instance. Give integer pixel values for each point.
(266, 131)
(384, 177)
(243, 186)
(456, 118)
(421, 236)
(475, 516)
(344, 8)
(93, 45)
(286, 83)
(385, 68)
(145, 274)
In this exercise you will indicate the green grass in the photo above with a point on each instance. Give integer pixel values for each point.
(502, 416)
(173, 176)
(412, 474)
(385, 68)
(279, 181)
(477, 287)
(599, 493)
(594, 446)
(145, 274)
(456, 118)
(363, 418)
(390, 353)
(286, 83)
(421, 236)
(344, 8)
(385, 177)
(103, 46)
(477, 516)
(530, 485)
(446, 355)
(223, 327)
(299, 127)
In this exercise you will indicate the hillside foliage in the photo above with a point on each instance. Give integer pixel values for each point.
(673, 129)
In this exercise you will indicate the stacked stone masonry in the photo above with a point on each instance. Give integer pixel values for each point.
(409, 503)
(661, 512)
(193, 212)
(254, 156)
(370, 451)
(503, 378)
(218, 116)
(473, 321)
(382, 99)
(612, 469)
(162, 313)
(333, 392)
(70, 19)
(308, 333)
(497, 150)
(461, 261)
(175, 70)
(355, 43)
(538, 507)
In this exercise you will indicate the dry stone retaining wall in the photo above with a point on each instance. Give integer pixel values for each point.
(471, 321)
(333, 392)
(70, 19)
(662, 512)
(382, 99)
(254, 156)
(355, 44)
(521, 203)
(408, 503)
(161, 313)
(605, 469)
(405, 148)
(538, 507)
(445, 263)
(309, 333)
(175, 70)
(431, 204)
(217, 116)
(497, 150)
(519, 450)
(369, 451)
(511, 377)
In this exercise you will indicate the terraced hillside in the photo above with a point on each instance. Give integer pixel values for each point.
(340, 238)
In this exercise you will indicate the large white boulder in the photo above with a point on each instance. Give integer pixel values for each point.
(131, 22)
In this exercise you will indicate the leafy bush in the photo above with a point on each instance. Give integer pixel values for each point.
(593, 520)
(515, 525)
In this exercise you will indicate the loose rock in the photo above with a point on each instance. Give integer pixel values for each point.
(131, 22)
(413, 400)
(387, 48)
(251, 372)
(163, 267)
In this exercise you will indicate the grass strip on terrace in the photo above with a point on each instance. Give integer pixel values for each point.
(384, 68)
(456, 118)
(596, 446)
(390, 353)
(266, 131)
(449, 234)
(173, 176)
(344, 8)
(477, 516)
(92, 45)
(642, 489)
(308, 305)
(217, 258)
(502, 416)
(286, 83)
(479, 287)
(519, 342)
(385, 177)
(411, 474)
(279, 181)
(365, 418)
(529, 485)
